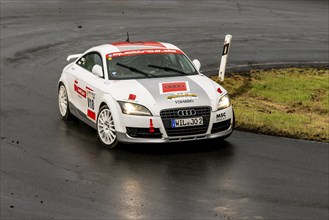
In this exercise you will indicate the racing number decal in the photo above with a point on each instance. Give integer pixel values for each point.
(90, 95)
(91, 100)
(90, 103)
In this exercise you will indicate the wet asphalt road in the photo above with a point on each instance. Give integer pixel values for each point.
(56, 169)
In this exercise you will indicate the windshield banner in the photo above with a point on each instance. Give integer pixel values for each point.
(141, 52)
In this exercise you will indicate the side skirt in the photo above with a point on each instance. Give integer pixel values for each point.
(80, 115)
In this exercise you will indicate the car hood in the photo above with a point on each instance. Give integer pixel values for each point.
(170, 92)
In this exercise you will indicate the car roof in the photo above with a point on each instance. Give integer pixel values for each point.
(127, 46)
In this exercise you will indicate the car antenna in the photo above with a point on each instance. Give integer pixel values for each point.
(127, 38)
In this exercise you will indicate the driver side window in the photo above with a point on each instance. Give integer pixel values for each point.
(89, 60)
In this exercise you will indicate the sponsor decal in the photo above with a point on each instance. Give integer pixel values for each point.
(182, 95)
(184, 101)
(80, 91)
(141, 52)
(90, 95)
(221, 116)
(172, 87)
(182, 98)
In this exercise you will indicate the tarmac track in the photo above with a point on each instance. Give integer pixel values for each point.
(56, 169)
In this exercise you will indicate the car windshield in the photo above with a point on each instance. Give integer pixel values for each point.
(148, 65)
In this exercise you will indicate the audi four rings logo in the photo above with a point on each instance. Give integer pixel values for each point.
(187, 112)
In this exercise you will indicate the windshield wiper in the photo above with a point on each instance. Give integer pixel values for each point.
(133, 69)
(168, 69)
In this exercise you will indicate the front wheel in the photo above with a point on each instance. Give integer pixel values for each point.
(105, 128)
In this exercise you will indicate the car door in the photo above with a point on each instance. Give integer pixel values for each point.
(76, 88)
(87, 85)
(77, 78)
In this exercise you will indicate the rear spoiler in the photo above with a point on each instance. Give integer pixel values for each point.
(73, 56)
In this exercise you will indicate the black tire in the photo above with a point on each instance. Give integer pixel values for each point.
(105, 128)
(63, 103)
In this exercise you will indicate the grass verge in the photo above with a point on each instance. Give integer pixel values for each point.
(291, 102)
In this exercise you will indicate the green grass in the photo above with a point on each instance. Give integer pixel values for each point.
(291, 102)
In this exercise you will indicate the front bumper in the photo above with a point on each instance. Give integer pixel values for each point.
(215, 128)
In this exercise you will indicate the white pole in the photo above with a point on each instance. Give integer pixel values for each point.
(226, 49)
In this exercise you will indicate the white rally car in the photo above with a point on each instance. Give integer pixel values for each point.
(143, 92)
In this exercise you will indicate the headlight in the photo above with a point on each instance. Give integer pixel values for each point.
(224, 102)
(133, 109)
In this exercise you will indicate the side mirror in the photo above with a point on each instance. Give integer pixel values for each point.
(197, 64)
(97, 70)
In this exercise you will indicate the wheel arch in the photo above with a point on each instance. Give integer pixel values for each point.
(113, 105)
(103, 103)
(59, 85)
(64, 80)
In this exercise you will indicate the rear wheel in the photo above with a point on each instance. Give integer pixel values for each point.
(63, 102)
(105, 128)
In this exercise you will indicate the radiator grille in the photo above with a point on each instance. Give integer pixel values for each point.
(168, 114)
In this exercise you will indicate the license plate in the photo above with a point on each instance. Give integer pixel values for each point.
(186, 122)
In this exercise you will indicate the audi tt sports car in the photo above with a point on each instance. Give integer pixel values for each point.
(143, 92)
